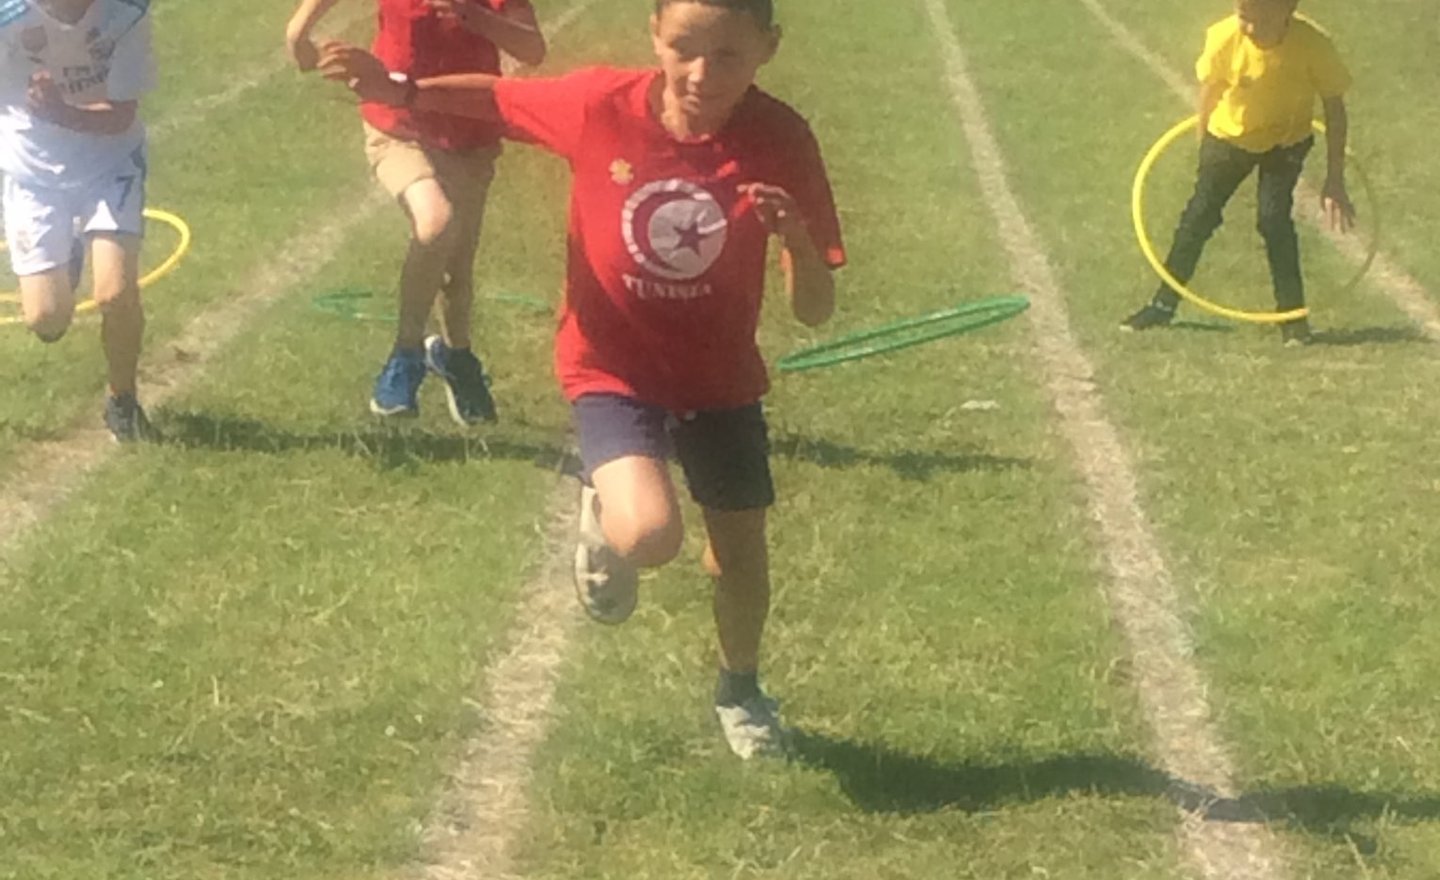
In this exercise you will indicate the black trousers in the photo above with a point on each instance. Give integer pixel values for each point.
(1223, 167)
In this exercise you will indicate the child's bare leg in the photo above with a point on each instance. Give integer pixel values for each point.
(47, 303)
(737, 557)
(472, 174)
(116, 261)
(458, 294)
(639, 511)
(432, 236)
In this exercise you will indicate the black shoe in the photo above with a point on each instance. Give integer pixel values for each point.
(466, 385)
(1152, 315)
(126, 419)
(1295, 334)
(76, 266)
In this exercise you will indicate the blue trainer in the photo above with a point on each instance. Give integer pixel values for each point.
(465, 383)
(397, 388)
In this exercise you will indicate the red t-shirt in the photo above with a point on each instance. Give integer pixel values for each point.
(666, 264)
(413, 39)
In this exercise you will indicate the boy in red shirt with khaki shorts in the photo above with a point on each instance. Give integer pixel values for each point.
(439, 168)
(681, 176)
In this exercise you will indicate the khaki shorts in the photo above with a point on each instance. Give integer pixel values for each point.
(465, 175)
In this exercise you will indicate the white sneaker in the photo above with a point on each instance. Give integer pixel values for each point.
(753, 727)
(606, 586)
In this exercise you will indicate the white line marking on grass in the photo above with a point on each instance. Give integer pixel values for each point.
(47, 473)
(1386, 274)
(1141, 594)
(486, 805)
(568, 17)
(248, 79)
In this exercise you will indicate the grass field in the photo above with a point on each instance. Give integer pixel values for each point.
(255, 649)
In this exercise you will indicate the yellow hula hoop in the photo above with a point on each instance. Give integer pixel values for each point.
(1137, 213)
(182, 247)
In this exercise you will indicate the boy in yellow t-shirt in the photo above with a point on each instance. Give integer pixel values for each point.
(1260, 73)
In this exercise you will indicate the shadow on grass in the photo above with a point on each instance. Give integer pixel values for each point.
(1342, 337)
(1201, 327)
(390, 447)
(907, 464)
(402, 445)
(1331, 811)
(878, 779)
(1353, 336)
(881, 780)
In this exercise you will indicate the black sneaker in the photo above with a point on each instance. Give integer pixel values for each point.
(1295, 334)
(1152, 315)
(76, 267)
(466, 386)
(126, 419)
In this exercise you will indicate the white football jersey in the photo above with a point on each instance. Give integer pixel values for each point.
(105, 56)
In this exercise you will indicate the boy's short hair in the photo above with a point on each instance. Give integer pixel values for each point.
(763, 11)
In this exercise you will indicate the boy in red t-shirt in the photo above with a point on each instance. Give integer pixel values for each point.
(439, 168)
(681, 177)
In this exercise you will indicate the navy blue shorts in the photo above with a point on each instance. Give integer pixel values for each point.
(725, 454)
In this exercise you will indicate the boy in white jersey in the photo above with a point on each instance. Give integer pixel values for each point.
(72, 151)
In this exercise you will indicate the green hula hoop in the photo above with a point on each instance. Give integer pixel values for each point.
(351, 303)
(530, 303)
(897, 335)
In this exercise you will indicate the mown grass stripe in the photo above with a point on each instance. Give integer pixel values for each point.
(472, 832)
(249, 79)
(1141, 593)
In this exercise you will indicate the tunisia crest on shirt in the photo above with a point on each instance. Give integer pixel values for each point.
(674, 229)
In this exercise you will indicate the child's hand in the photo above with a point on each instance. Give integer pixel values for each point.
(467, 11)
(774, 206)
(44, 98)
(1336, 203)
(360, 71)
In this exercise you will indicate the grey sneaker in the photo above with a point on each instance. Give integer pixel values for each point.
(607, 587)
(753, 727)
(126, 419)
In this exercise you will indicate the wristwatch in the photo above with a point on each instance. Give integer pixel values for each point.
(412, 91)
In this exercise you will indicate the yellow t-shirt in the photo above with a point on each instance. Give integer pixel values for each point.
(1269, 97)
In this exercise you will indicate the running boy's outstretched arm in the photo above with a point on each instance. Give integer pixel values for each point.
(808, 281)
(105, 118)
(1334, 197)
(297, 33)
(458, 94)
(513, 31)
